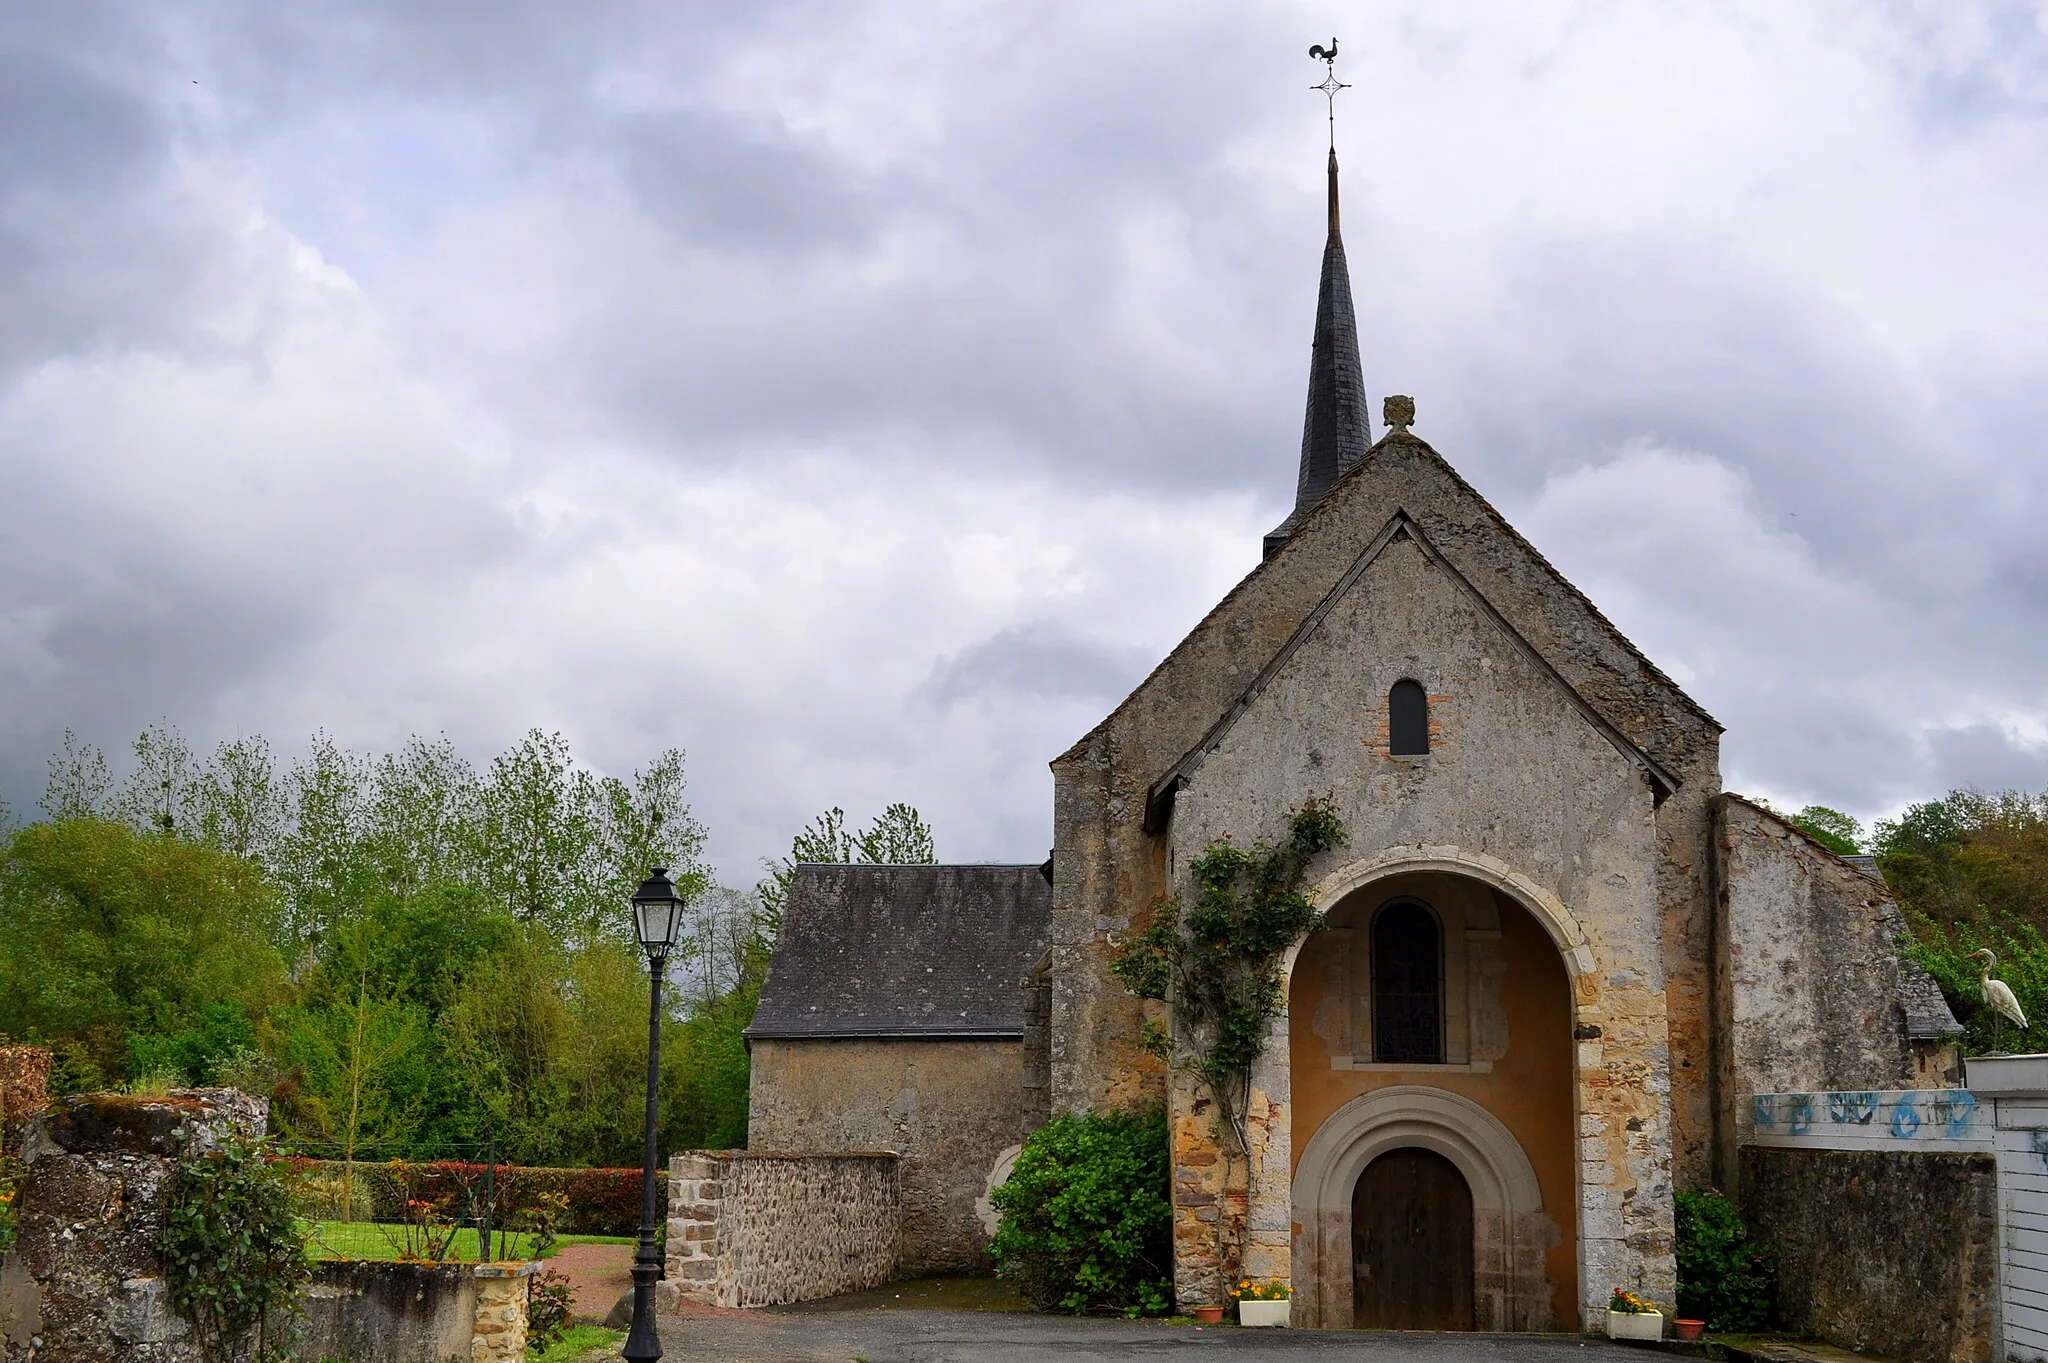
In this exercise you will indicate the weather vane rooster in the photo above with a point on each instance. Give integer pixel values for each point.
(1331, 85)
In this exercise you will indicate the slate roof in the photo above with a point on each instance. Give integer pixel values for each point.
(1927, 1012)
(905, 951)
(1336, 428)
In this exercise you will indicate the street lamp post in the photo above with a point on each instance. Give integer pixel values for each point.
(657, 916)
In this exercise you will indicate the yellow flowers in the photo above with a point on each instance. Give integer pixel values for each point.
(1265, 1289)
(1629, 1304)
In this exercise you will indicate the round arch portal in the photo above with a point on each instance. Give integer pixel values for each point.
(1547, 909)
(1510, 1230)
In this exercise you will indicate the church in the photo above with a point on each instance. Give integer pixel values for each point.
(1558, 954)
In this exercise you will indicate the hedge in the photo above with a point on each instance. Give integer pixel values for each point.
(601, 1201)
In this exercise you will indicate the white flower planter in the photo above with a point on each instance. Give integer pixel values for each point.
(1635, 1325)
(1250, 1313)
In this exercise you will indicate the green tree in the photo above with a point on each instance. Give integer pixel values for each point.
(1971, 870)
(240, 806)
(322, 861)
(107, 935)
(360, 1040)
(899, 836)
(1831, 828)
(423, 818)
(79, 782)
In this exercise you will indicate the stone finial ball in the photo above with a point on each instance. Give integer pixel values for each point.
(1400, 411)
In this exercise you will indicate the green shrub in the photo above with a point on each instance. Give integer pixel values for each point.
(236, 1253)
(550, 1303)
(1086, 1221)
(1723, 1278)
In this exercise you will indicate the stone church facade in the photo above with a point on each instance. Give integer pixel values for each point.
(1558, 954)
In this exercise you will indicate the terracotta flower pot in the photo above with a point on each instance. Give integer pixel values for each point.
(1209, 1315)
(1688, 1329)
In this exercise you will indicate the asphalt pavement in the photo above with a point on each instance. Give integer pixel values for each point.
(875, 1335)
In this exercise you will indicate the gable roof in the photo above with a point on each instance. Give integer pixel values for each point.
(1406, 442)
(931, 952)
(1160, 795)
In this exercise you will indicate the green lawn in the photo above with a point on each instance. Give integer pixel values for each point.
(368, 1240)
(580, 1340)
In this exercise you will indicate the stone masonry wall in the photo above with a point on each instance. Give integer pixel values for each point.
(1887, 1253)
(1812, 982)
(749, 1228)
(1574, 830)
(85, 1277)
(1634, 876)
(949, 1108)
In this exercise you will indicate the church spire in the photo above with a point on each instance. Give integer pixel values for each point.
(1336, 429)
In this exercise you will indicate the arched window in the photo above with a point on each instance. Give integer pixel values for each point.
(1407, 986)
(1408, 719)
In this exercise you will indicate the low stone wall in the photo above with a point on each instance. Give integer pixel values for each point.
(100, 1168)
(1894, 1253)
(751, 1228)
(85, 1284)
(376, 1312)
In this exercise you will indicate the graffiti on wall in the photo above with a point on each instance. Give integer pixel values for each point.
(1933, 1114)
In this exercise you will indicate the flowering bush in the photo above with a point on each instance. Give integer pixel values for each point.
(1266, 1289)
(1629, 1304)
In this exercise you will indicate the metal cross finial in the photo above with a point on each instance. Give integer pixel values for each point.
(1331, 85)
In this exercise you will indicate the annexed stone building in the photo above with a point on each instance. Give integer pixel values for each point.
(894, 1018)
(1558, 953)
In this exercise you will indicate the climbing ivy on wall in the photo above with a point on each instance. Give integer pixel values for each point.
(1216, 963)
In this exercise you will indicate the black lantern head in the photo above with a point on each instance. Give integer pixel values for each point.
(657, 914)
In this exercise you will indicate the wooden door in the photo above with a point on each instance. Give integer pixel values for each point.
(1411, 1244)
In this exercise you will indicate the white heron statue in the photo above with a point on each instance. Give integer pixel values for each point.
(1998, 994)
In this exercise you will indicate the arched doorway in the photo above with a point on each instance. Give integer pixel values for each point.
(1432, 1020)
(1411, 1244)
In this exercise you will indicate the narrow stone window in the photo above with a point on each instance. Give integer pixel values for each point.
(1408, 719)
(1407, 986)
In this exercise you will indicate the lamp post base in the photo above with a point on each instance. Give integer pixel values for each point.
(642, 1343)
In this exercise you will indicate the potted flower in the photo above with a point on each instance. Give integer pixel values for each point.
(1630, 1317)
(1263, 1302)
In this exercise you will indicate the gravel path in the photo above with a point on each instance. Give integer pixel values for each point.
(597, 1274)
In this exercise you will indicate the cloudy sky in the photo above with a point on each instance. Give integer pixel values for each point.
(861, 396)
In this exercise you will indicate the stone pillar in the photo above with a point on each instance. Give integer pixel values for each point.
(501, 1315)
(696, 1189)
(85, 1284)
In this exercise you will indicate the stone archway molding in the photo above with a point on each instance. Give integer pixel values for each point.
(1510, 1230)
(1557, 920)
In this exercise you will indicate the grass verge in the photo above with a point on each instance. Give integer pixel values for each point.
(369, 1240)
(580, 1340)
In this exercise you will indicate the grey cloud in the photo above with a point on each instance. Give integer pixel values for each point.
(1044, 659)
(1982, 757)
(716, 180)
(96, 252)
(1077, 278)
